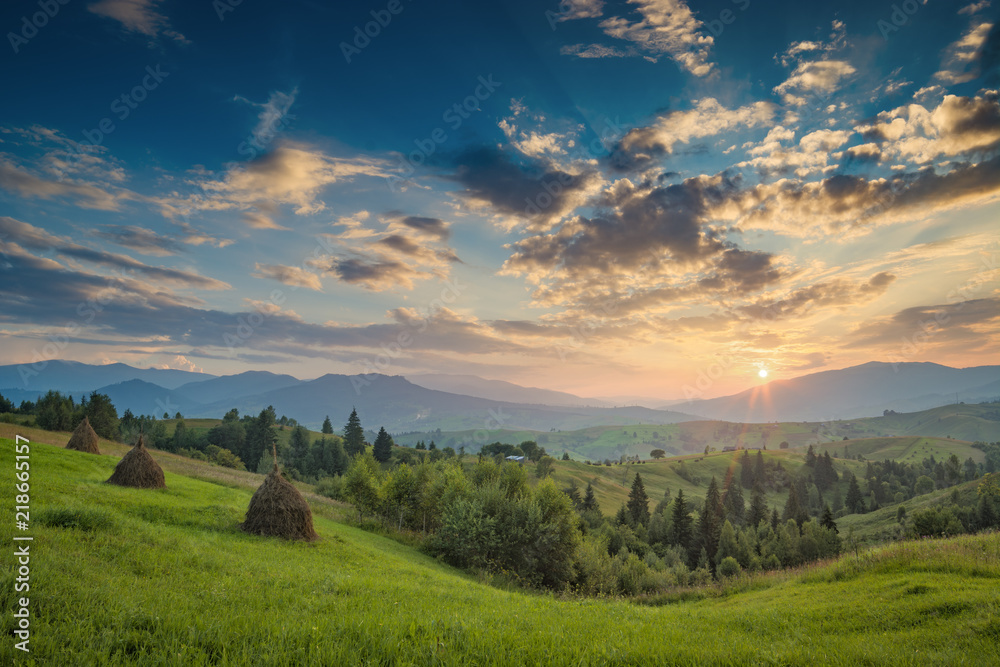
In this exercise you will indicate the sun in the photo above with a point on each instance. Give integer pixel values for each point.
(762, 372)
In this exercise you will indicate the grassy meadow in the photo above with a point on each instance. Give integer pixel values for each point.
(129, 577)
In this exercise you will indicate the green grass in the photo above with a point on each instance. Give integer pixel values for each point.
(123, 576)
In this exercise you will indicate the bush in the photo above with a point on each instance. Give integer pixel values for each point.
(728, 567)
(331, 487)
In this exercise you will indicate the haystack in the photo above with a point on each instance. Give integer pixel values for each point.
(84, 439)
(138, 469)
(277, 509)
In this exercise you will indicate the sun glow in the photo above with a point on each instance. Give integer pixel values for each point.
(762, 372)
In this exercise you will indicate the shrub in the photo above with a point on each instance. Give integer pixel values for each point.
(728, 567)
(331, 487)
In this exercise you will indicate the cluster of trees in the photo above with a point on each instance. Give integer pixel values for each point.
(962, 513)
(681, 541)
(488, 518)
(890, 482)
(55, 412)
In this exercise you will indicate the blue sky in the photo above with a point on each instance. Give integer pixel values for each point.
(650, 197)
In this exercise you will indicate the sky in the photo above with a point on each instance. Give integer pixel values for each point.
(644, 198)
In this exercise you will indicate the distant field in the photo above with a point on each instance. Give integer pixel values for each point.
(955, 422)
(131, 577)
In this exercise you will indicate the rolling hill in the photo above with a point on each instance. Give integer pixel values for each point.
(136, 577)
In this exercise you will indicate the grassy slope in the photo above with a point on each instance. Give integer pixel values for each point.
(164, 577)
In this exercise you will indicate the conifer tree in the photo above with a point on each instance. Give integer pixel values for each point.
(854, 501)
(758, 507)
(827, 520)
(735, 507)
(638, 503)
(590, 500)
(354, 435)
(383, 446)
(682, 522)
(710, 523)
(746, 470)
(327, 426)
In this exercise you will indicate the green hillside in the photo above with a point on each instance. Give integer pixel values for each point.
(956, 422)
(122, 576)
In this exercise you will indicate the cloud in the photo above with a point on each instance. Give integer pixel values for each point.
(292, 174)
(138, 16)
(820, 296)
(641, 146)
(531, 191)
(961, 59)
(809, 79)
(810, 155)
(957, 126)
(645, 247)
(272, 117)
(596, 51)
(87, 195)
(848, 205)
(431, 226)
(393, 252)
(139, 239)
(293, 276)
(578, 9)
(17, 234)
(667, 27)
(912, 332)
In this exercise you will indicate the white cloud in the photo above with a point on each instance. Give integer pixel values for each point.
(138, 16)
(960, 58)
(667, 28)
(821, 77)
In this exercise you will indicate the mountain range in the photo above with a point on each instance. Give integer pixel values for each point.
(456, 402)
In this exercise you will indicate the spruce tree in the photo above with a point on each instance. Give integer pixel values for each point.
(758, 507)
(638, 503)
(746, 470)
(710, 523)
(383, 446)
(810, 457)
(299, 444)
(327, 426)
(354, 435)
(854, 501)
(793, 507)
(734, 504)
(682, 522)
(827, 520)
(590, 500)
(759, 474)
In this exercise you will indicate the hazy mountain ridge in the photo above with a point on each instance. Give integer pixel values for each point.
(402, 405)
(859, 391)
